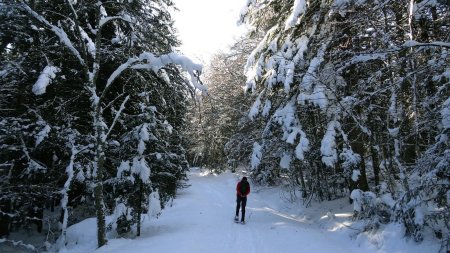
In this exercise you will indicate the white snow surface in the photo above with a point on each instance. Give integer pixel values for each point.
(201, 220)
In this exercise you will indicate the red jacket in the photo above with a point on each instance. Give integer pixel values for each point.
(238, 190)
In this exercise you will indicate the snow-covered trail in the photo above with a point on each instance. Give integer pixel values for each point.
(201, 220)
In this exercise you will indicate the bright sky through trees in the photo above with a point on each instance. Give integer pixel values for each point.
(206, 26)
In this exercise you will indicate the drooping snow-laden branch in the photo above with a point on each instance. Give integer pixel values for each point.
(105, 20)
(155, 63)
(413, 43)
(298, 9)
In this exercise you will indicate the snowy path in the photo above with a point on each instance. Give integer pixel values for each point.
(201, 221)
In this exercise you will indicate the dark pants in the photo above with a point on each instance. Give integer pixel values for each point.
(241, 201)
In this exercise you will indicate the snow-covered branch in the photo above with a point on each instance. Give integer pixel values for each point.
(65, 192)
(298, 9)
(119, 71)
(151, 62)
(122, 106)
(413, 43)
(106, 20)
(44, 79)
(59, 32)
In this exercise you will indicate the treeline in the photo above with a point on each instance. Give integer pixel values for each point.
(93, 106)
(349, 98)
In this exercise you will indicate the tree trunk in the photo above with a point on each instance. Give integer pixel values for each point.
(139, 210)
(100, 139)
(358, 147)
(98, 191)
(302, 181)
(375, 165)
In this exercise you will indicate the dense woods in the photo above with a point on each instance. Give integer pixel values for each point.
(93, 104)
(327, 98)
(349, 99)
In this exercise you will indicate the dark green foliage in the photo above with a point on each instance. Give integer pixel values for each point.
(38, 133)
(369, 93)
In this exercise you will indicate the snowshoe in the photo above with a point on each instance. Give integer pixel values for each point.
(236, 219)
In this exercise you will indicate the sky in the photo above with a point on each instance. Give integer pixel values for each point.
(207, 26)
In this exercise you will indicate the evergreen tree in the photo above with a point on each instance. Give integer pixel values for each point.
(101, 73)
(352, 94)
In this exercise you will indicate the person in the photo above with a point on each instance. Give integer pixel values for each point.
(242, 190)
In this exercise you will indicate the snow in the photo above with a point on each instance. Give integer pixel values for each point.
(201, 220)
(42, 135)
(302, 46)
(105, 20)
(124, 166)
(266, 108)
(154, 205)
(298, 9)
(445, 112)
(419, 215)
(149, 61)
(44, 79)
(289, 69)
(388, 200)
(318, 96)
(119, 70)
(120, 210)
(344, 5)
(393, 131)
(65, 193)
(144, 136)
(310, 75)
(355, 175)
(156, 63)
(254, 110)
(141, 169)
(302, 147)
(356, 195)
(413, 43)
(328, 145)
(59, 32)
(118, 113)
(256, 155)
(89, 43)
(253, 71)
(349, 158)
(285, 161)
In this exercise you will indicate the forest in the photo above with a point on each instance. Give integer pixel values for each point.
(101, 115)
